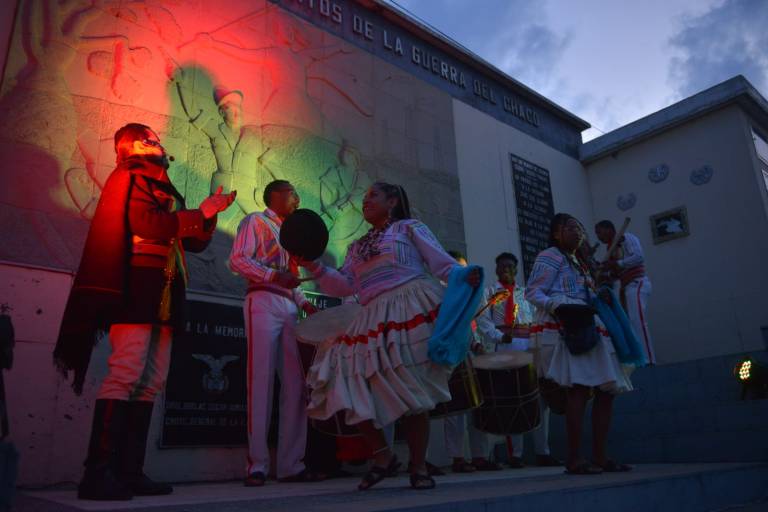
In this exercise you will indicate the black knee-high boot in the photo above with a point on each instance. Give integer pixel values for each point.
(100, 481)
(133, 451)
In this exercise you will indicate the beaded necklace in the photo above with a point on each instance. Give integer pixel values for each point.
(368, 244)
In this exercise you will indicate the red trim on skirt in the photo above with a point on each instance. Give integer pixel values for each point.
(385, 328)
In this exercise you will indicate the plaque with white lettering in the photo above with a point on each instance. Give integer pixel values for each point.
(206, 390)
(535, 209)
(205, 396)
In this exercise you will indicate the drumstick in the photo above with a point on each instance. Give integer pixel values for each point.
(492, 300)
(617, 238)
(305, 279)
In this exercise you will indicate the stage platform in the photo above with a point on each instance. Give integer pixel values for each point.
(649, 488)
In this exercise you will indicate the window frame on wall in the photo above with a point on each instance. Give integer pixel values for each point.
(761, 150)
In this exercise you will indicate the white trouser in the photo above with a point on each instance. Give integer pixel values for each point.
(270, 322)
(454, 427)
(540, 435)
(636, 294)
(138, 366)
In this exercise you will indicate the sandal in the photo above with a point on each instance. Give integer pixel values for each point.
(611, 466)
(584, 468)
(432, 470)
(378, 473)
(463, 467)
(422, 482)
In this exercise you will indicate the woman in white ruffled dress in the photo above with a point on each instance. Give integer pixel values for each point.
(560, 277)
(378, 370)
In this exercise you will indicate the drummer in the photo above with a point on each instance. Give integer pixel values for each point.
(497, 327)
(379, 370)
(456, 424)
(271, 309)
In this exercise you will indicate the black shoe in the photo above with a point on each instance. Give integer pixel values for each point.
(145, 486)
(433, 470)
(133, 450)
(102, 485)
(548, 461)
(516, 463)
(304, 476)
(256, 479)
(486, 465)
(100, 481)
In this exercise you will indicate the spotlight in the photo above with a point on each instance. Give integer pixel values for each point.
(753, 378)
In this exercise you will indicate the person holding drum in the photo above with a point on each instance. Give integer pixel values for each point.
(456, 424)
(572, 347)
(379, 370)
(504, 326)
(271, 311)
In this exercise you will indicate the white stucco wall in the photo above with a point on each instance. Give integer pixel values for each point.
(483, 148)
(709, 293)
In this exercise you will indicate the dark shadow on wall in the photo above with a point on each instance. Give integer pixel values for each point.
(193, 108)
(36, 229)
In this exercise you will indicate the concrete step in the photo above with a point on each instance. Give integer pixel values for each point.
(649, 488)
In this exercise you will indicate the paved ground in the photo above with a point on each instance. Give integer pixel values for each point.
(454, 492)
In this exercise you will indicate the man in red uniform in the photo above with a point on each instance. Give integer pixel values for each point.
(131, 281)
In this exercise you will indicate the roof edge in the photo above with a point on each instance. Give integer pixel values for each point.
(402, 18)
(737, 90)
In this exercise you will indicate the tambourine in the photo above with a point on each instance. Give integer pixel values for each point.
(304, 235)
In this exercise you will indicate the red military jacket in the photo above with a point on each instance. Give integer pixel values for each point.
(140, 224)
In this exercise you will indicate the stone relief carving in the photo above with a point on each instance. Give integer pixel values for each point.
(308, 109)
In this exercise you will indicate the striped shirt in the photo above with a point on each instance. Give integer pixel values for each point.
(405, 251)
(553, 282)
(632, 262)
(257, 255)
(494, 315)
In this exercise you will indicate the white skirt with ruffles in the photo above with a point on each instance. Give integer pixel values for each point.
(600, 367)
(379, 368)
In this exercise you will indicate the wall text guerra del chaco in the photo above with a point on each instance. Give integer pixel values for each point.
(419, 55)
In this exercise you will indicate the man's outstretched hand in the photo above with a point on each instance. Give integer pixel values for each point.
(217, 202)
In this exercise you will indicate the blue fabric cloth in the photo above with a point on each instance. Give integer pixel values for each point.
(453, 327)
(628, 348)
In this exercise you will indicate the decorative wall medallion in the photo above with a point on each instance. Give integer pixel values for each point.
(626, 201)
(659, 173)
(702, 175)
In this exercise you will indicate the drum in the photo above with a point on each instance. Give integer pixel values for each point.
(465, 392)
(304, 234)
(326, 325)
(511, 392)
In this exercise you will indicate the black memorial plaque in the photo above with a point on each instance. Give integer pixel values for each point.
(535, 209)
(205, 396)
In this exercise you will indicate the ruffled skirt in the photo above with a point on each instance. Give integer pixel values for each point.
(600, 367)
(379, 369)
